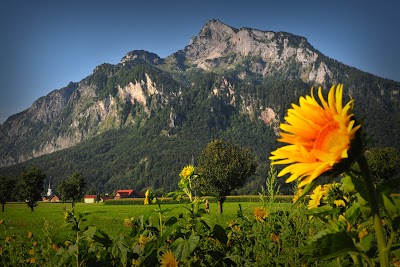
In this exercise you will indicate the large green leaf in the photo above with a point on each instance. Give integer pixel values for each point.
(322, 211)
(392, 207)
(365, 243)
(327, 244)
(184, 247)
(220, 234)
(353, 213)
(91, 231)
(352, 184)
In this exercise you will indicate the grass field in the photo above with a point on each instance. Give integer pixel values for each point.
(110, 218)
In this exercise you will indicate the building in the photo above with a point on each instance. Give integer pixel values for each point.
(89, 199)
(129, 193)
(104, 198)
(52, 198)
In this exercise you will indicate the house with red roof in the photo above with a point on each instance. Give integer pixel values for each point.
(128, 193)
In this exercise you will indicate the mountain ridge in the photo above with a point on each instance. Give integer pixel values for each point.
(225, 79)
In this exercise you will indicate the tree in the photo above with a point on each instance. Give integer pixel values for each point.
(383, 162)
(72, 188)
(31, 186)
(224, 167)
(7, 188)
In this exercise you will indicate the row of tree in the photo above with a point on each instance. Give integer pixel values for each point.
(28, 187)
(222, 167)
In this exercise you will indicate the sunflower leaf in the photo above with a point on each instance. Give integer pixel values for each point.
(219, 233)
(322, 211)
(365, 243)
(392, 208)
(327, 244)
(184, 247)
(353, 213)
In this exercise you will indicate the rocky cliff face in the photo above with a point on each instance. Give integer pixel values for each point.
(72, 114)
(262, 52)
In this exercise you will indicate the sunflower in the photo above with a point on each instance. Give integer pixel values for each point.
(339, 203)
(146, 200)
(187, 171)
(319, 136)
(142, 240)
(260, 214)
(362, 233)
(168, 259)
(316, 196)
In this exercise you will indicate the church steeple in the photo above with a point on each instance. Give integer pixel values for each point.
(49, 190)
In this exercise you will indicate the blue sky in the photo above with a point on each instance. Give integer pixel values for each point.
(46, 44)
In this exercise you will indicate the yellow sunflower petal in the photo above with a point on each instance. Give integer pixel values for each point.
(339, 94)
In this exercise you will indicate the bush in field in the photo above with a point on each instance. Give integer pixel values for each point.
(7, 189)
(224, 167)
(384, 163)
(30, 186)
(72, 188)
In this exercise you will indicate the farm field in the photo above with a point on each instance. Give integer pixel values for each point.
(109, 218)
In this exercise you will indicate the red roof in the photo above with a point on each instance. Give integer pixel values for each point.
(90, 196)
(124, 192)
(128, 193)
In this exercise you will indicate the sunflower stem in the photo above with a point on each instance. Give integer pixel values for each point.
(374, 204)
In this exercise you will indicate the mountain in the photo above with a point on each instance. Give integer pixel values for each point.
(138, 122)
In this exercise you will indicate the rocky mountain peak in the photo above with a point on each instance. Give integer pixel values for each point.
(141, 54)
(255, 51)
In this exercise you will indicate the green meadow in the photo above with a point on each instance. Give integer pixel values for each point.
(109, 218)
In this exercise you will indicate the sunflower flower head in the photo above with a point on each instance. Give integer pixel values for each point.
(135, 263)
(339, 203)
(260, 214)
(146, 200)
(321, 137)
(187, 171)
(362, 233)
(168, 259)
(142, 240)
(315, 197)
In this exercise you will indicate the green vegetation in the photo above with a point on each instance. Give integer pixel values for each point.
(140, 150)
(384, 163)
(7, 188)
(30, 186)
(223, 167)
(72, 189)
(108, 218)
